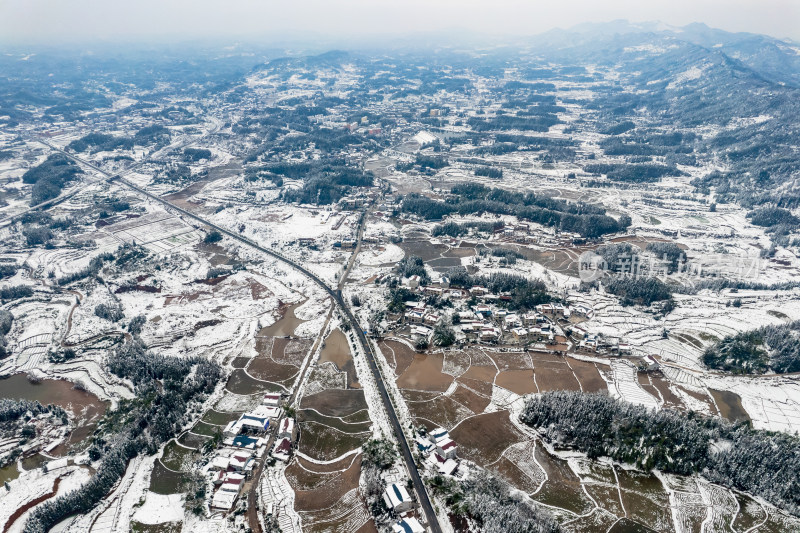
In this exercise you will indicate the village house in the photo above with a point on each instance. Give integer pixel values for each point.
(555, 310)
(230, 485)
(415, 316)
(238, 461)
(423, 445)
(531, 319)
(282, 450)
(439, 435)
(582, 310)
(590, 342)
(479, 291)
(271, 400)
(245, 441)
(470, 328)
(246, 424)
(447, 448)
(432, 291)
(232, 482)
(220, 462)
(431, 319)
(408, 525)
(286, 429)
(519, 334)
(489, 334)
(512, 321)
(223, 500)
(396, 498)
(454, 294)
(271, 412)
(483, 310)
(580, 332)
(412, 282)
(448, 467)
(421, 331)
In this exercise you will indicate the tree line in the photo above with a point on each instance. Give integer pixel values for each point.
(762, 463)
(525, 293)
(773, 348)
(636, 173)
(101, 142)
(469, 198)
(459, 229)
(50, 176)
(324, 182)
(490, 503)
(137, 426)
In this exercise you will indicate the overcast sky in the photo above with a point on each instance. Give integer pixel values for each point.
(56, 21)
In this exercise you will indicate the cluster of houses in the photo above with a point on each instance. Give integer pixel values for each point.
(524, 233)
(244, 444)
(283, 443)
(440, 453)
(229, 469)
(488, 321)
(488, 324)
(598, 343)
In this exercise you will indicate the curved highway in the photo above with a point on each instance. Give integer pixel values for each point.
(336, 294)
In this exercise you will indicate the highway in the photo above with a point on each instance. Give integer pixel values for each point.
(336, 294)
(64, 196)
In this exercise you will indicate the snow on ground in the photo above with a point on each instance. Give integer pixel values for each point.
(277, 495)
(85, 323)
(626, 386)
(388, 254)
(37, 325)
(773, 403)
(160, 508)
(33, 484)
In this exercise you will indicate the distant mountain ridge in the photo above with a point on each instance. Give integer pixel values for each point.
(777, 60)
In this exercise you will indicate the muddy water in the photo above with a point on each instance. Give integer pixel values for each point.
(730, 405)
(285, 326)
(9, 473)
(34, 461)
(337, 351)
(86, 408)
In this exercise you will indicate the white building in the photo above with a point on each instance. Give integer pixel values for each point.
(396, 498)
(408, 525)
(446, 448)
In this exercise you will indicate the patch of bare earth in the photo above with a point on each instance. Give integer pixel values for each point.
(315, 490)
(589, 376)
(553, 373)
(398, 354)
(483, 438)
(517, 381)
(335, 402)
(425, 373)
